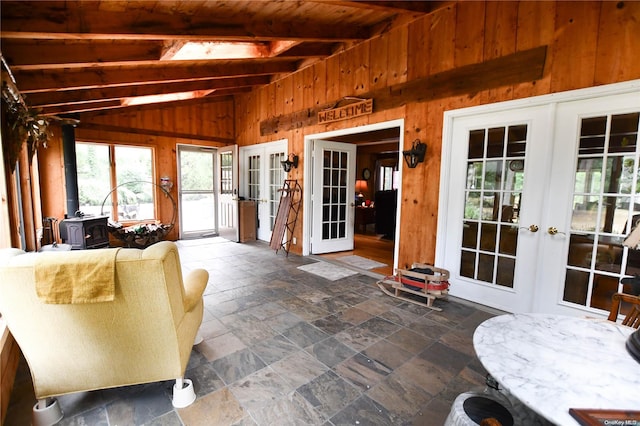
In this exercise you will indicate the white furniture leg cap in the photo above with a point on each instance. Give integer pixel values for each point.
(185, 396)
(47, 416)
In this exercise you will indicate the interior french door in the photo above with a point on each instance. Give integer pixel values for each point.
(593, 206)
(498, 178)
(227, 172)
(334, 166)
(537, 201)
(197, 198)
(262, 178)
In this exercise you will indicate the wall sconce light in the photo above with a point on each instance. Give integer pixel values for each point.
(416, 154)
(166, 183)
(290, 163)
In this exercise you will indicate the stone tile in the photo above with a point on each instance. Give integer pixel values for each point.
(274, 349)
(364, 411)
(357, 338)
(354, 316)
(169, 419)
(330, 351)
(267, 310)
(143, 404)
(260, 389)
(353, 298)
(204, 378)
(217, 408)
(237, 365)
(220, 346)
(428, 328)
(97, 416)
(254, 333)
(433, 414)
(332, 305)
(387, 354)
(313, 296)
(212, 328)
(400, 397)
(374, 307)
(304, 310)
(299, 368)
(328, 394)
(445, 358)
(291, 410)
(460, 340)
(283, 321)
(362, 371)
(422, 373)
(379, 326)
(304, 334)
(331, 324)
(399, 316)
(409, 341)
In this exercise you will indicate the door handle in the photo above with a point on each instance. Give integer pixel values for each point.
(554, 231)
(531, 228)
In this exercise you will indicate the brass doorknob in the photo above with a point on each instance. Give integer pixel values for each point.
(553, 231)
(531, 228)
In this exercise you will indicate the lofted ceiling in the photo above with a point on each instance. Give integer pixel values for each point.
(79, 56)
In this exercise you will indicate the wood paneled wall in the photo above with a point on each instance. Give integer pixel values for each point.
(162, 129)
(589, 44)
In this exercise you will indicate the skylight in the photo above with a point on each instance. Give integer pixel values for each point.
(192, 50)
(141, 100)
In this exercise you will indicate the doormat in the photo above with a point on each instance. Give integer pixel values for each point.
(360, 262)
(327, 270)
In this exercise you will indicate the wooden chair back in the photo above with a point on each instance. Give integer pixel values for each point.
(632, 319)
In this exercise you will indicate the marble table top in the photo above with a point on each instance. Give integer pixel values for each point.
(552, 363)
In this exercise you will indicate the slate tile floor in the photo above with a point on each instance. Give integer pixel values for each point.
(285, 347)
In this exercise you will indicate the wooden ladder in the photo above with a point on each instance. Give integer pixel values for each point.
(288, 209)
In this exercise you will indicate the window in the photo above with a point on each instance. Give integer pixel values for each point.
(116, 180)
(388, 178)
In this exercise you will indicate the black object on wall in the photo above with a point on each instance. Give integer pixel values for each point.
(70, 168)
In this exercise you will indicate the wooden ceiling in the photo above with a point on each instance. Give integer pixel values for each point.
(79, 56)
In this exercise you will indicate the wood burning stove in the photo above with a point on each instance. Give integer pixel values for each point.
(86, 232)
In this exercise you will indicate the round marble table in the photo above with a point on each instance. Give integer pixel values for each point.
(552, 363)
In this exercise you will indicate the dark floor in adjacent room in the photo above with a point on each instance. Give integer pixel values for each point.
(286, 347)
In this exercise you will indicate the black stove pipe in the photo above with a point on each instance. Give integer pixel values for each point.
(70, 169)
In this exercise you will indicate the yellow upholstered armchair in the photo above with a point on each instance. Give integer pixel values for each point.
(95, 319)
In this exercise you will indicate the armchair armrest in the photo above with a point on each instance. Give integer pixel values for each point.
(194, 284)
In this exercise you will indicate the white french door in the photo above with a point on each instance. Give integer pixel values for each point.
(499, 180)
(334, 166)
(261, 179)
(537, 197)
(227, 173)
(594, 203)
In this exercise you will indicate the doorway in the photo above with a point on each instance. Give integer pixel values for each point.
(196, 186)
(356, 187)
(539, 195)
(261, 180)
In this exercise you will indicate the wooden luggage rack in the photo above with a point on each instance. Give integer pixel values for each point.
(425, 281)
(287, 216)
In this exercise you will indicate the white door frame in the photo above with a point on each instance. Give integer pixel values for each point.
(448, 154)
(308, 178)
(263, 150)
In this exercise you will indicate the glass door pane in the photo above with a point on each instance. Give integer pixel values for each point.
(493, 194)
(197, 192)
(606, 202)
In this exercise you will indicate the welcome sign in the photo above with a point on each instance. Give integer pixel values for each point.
(352, 110)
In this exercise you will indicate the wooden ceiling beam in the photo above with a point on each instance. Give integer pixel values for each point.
(20, 20)
(88, 78)
(22, 53)
(60, 97)
(152, 132)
